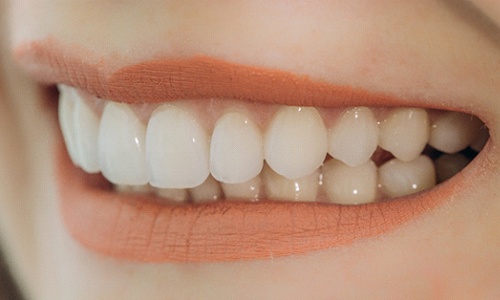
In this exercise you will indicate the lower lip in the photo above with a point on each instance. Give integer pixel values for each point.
(137, 229)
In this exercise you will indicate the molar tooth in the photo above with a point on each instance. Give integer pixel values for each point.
(121, 145)
(281, 188)
(176, 149)
(405, 132)
(295, 142)
(86, 126)
(67, 99)
(175, 195)
(208, 191)
(249, 190)
(236, 151)
(398, 178)
(452, 132)
(350, 185)
(448, 165)
(354, 138)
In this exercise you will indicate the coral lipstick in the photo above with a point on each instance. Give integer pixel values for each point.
(138, 229)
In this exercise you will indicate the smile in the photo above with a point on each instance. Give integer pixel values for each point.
(209, 161)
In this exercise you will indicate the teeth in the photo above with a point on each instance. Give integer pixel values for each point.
(350, 185)
(452, 131)
(398, 178)
(175, 195)
(296, 142)
(405, 132)
(66, 120)
(250, 190)
(86, 135)
(448, 165)
(176, 149)
(208, 191)
(121, 145)
(236, 152)
(175, 158)
(354, 138)
(281, 188)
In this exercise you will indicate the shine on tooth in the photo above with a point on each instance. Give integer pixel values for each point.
(405, 132)
(248, 191)
(448, 165)
(176, 149)
(354, 138)
(67, 99)
(86, 136)
(236, 151)
(121, 145)
(295, 142)
(280, 188)
(398, 178)
(208, 191)
(350, 185)
(452, 132)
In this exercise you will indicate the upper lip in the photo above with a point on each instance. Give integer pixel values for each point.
(220, 231)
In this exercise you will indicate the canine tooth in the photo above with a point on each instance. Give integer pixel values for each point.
(295, 142)
(86, 126)
(236, 151)
(350, 185)
(176, 195)
(354, 138)
(281, 188)
(121, 145)
(67, 98)
(448, 165)
(176, 149)
(208, 191)
(398, 178)
(249, 190)
(405, 132)
(453, 131)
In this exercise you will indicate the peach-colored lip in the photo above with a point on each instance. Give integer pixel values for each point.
(133, 228)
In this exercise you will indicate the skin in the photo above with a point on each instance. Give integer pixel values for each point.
(442, 51)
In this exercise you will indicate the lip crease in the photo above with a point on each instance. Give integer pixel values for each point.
(135, 228)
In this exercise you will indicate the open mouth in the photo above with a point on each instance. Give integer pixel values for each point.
(231, 169)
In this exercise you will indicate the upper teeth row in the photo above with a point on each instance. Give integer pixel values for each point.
(174, 151)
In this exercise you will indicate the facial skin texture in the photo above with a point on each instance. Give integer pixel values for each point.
(434, 50)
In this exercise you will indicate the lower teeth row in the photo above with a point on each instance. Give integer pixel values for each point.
(335, 182)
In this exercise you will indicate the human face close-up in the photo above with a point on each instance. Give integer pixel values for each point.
(250, 150)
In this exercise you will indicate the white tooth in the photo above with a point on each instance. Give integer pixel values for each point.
(208, 191)
(67, 99)
(86, 136)
(249, 190)
(176, 149)
(448, 165)
(121, 145)
(354, 138)
(296, 142)
(176, 195)
(281, 188)
(452, 131)
(350, 185)
(236, 151)
(398, 178)
(134, 189)
(481, 139)
(405, 132)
